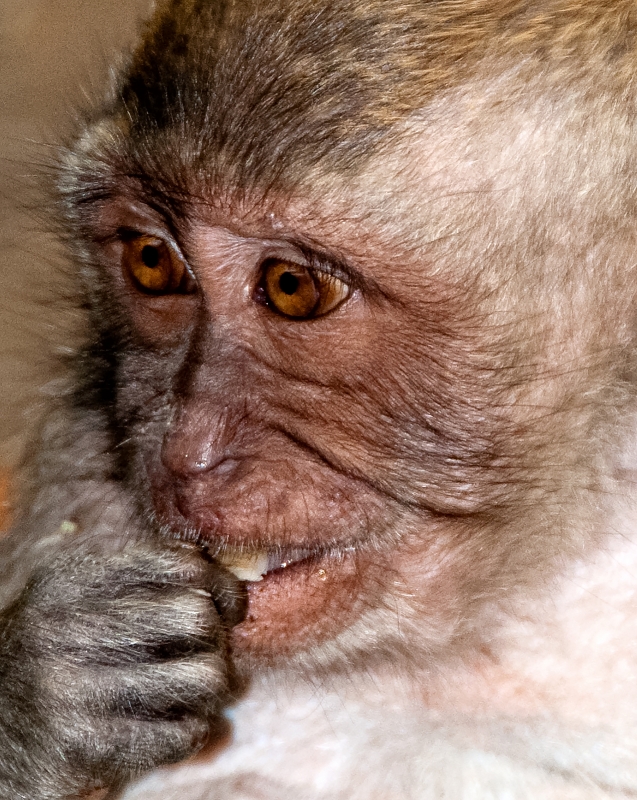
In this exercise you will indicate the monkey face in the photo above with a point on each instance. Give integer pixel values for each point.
(323, 357)
(289, 388)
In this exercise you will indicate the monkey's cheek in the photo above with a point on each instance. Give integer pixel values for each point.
(302, 606)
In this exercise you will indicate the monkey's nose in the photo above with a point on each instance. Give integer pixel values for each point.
(186, 458)
(199, 439)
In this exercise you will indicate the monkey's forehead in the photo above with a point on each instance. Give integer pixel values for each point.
(264, 90)
(396, 124)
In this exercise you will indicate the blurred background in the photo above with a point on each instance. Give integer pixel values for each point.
(54, 60)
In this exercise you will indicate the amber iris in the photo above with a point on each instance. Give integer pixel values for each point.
(152, 265)
(299, 292)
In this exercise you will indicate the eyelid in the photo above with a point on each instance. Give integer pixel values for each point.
(321, 261)
(315, 262)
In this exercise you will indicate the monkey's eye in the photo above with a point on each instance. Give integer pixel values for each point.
(154, 267)
(298, 292)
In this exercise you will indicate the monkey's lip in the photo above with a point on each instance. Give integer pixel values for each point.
(253, 565)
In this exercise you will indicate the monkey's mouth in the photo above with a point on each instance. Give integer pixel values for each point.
(254, 565)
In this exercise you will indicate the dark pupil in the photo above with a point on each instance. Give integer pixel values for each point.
(288, 283)
(150, 256)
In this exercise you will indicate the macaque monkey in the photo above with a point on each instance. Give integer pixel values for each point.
(339, 496)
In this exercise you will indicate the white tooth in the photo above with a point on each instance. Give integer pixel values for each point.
(245, 566)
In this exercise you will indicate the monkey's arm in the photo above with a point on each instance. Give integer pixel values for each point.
(112, 650)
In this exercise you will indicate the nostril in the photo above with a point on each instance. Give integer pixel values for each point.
(201, 438)
(188, 458)
(219, 464)
(187, 461)
(199, 463)
(182, 458)
(225, 466)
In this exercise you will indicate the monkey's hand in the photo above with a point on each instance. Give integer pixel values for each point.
(110, 666)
